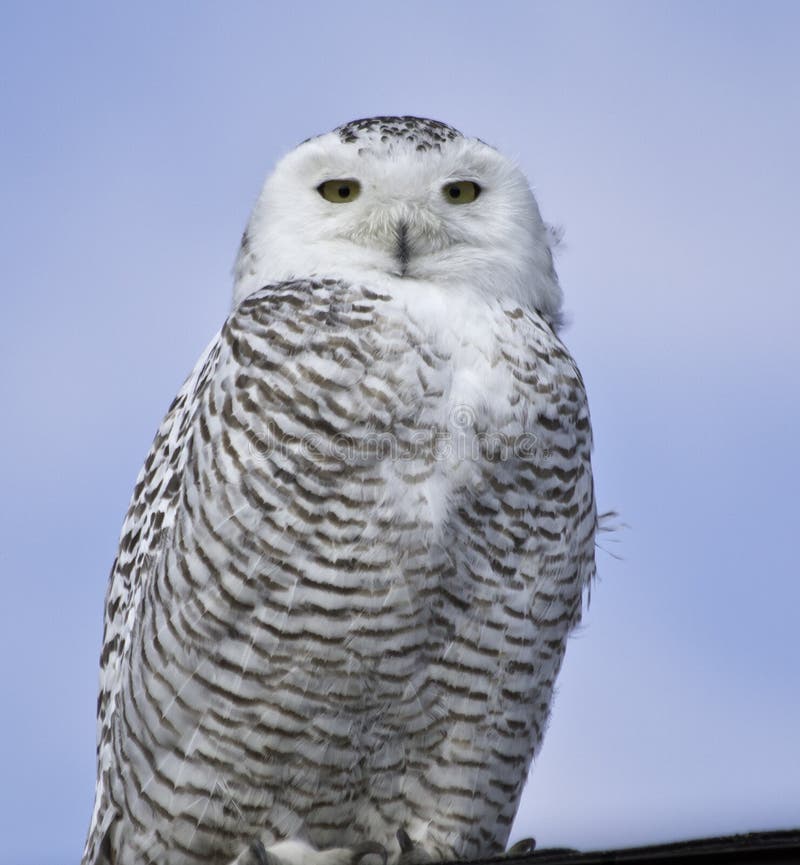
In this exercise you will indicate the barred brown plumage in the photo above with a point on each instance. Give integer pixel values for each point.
(361, 537)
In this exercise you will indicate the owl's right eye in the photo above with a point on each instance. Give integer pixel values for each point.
(339, 191)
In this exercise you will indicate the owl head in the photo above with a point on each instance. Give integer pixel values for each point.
(390, 199)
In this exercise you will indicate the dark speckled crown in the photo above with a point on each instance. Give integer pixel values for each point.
(419, 132)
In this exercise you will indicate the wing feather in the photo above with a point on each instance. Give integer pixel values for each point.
(150, 515)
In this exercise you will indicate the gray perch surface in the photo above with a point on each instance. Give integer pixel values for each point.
(753, 848)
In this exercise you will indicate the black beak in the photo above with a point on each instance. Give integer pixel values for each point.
(403, 250)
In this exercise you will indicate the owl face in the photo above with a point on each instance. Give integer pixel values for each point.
(399, 199)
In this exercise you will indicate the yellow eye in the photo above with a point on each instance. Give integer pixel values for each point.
(339, 191)
(461, 192)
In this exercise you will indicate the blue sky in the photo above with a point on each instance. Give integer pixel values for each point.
(663, 137)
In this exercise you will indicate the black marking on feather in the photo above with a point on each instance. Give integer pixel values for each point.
(420, 132)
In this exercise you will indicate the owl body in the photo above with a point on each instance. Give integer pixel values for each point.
(352, 557)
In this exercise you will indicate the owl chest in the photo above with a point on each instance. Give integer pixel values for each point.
(329, 498)
(457, 413)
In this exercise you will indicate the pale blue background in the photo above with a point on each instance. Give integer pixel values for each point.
(664, 137)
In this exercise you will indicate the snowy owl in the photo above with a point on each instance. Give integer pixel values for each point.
(363, 533)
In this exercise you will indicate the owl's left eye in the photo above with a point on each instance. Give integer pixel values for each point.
(339, 191)
(461, 191)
